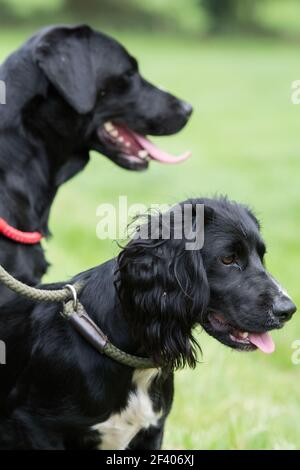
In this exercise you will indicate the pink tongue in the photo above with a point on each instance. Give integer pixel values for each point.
(263, 341)
(158, 154)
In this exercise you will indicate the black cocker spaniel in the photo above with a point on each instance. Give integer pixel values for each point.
(58, 392)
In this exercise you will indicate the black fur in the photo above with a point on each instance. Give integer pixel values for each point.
(62, 86)
(55, 386)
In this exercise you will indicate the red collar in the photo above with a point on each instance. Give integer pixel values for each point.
(27, 238)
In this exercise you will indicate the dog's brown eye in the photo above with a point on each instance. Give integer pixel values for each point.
(228, 260)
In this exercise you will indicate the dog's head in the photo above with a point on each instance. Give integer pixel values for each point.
(98, 100)
(167, 289)
(245, 300)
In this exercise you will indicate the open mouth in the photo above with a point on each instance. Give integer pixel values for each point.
(132, 150)
(228, 334)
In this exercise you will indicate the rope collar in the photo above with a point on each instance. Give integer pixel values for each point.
(26, 238)
(87, 328)
(75, 313)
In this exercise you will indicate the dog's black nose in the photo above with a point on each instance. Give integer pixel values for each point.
(284, 308)
(186, 108)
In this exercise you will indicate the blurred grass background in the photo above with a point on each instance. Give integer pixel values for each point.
(244, 135)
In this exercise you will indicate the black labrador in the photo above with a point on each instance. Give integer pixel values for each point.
(70, 90)
(58, 392)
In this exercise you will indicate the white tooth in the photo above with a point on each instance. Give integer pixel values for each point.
(108, 126)
(114, 133)
(244, 335)
(121, 139)
(127, 144)
(143, 154)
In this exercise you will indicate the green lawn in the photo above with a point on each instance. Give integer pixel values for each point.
(245, 138)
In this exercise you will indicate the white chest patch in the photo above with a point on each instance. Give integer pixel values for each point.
(121, 428)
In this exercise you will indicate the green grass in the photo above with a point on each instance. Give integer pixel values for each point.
(245, 138)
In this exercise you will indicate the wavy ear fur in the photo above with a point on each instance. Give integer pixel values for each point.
(164, 291)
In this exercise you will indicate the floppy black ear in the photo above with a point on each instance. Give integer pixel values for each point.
(64, 56)
(164, 291)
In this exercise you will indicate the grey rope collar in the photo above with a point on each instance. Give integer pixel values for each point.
(32, 293)
(75, 313)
